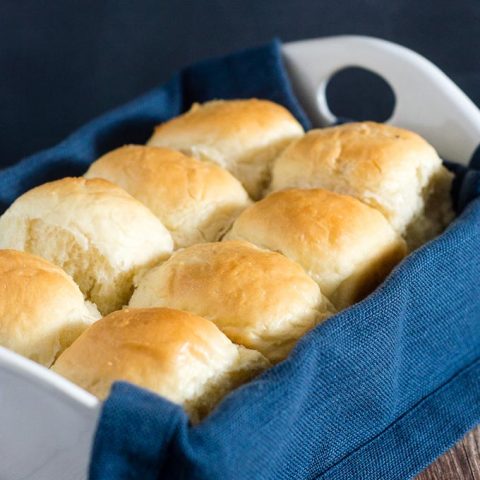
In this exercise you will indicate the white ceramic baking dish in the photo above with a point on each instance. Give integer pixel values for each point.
(47, 424)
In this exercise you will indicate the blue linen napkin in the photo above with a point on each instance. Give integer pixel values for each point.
(376, 392)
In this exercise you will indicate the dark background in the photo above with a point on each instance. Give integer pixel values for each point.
(63, 62)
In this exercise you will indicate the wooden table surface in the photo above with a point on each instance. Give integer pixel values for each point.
(462, 462)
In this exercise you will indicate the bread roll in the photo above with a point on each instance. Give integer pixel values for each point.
(259, 299)
(344, 245)
(93, 229)
(243, 136)
(391, 169)
(197, 201)
(181, 356)
(41, 308)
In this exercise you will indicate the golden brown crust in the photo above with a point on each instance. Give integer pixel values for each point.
(197, 201)
(259, 299)
(243, 136)
(41, 308)
(173, 353)
(388, 168)
(94, 230)
(334, 237)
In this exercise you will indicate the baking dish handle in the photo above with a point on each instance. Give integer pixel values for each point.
(427, 101)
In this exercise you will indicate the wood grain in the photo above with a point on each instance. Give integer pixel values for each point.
(472, 446)
(462, 462)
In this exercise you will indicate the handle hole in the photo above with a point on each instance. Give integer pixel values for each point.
(356, 93)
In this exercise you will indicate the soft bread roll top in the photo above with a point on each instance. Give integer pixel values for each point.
(197, 201)
(344, 245)
(181, 356)
(391, 169)
(243, 136)
(94, 230)
(41, 308)
(259, 299)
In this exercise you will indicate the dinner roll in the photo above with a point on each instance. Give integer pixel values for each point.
(344, 245)
(42, 310)
(243, 136)
(197, 201)
(259, 299)
(91, 228)
(181, 356)
(391, 169)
